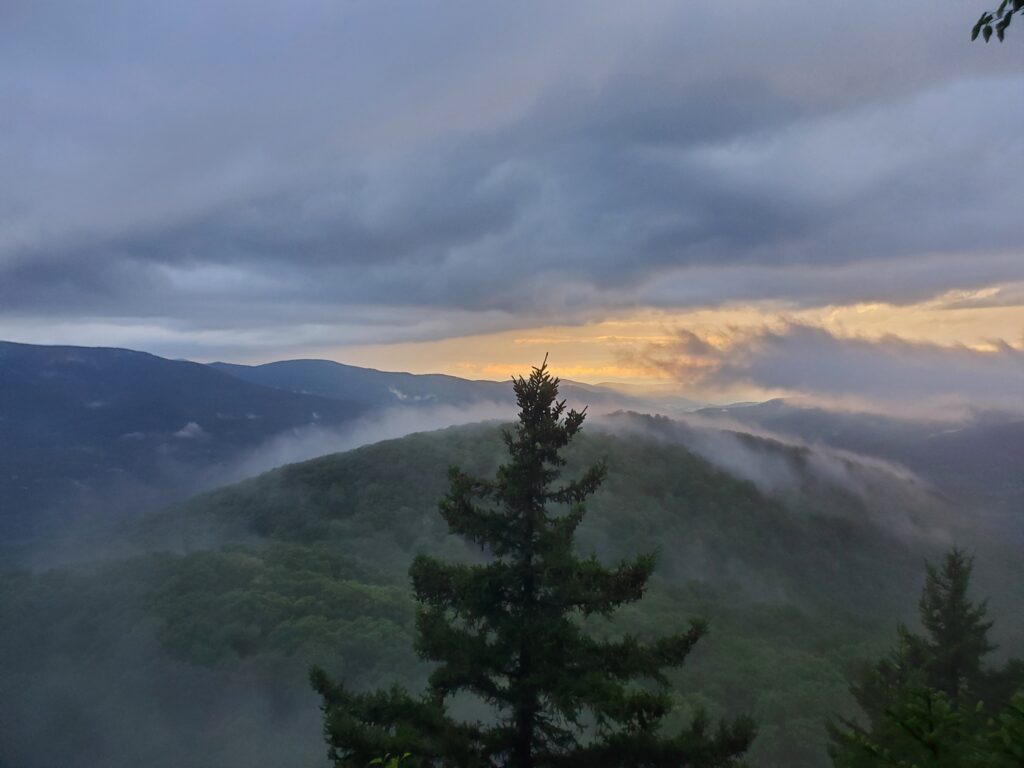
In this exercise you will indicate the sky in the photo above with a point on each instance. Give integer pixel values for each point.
(728, 200)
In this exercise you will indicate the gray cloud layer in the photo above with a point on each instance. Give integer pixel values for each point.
(246, 169)
(888, 372)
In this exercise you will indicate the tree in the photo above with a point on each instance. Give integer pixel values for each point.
(1003, 744)
(508, 632)
(916, 726)
(957, 630)
(930, 703)
(997, 21)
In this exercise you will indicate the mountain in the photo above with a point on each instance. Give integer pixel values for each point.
(88, 429)
(194, 650)
(379, 503)
(380, 389)
(184, 640)
(366, 385)
(88, 434)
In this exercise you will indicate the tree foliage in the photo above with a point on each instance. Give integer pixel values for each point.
(931, 704)
(997, 21)
(957, 630)
(508, 632)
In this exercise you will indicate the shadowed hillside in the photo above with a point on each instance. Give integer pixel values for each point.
(86, 429)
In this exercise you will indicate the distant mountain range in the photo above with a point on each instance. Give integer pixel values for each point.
(366, 385)
(377, 389)
(92, 432)
(89, 429)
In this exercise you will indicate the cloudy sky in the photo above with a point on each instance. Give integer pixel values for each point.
(784, 197)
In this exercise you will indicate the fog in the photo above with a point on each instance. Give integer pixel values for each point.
(889, 495)
(314, 440)
(84, 523)
(138, 707)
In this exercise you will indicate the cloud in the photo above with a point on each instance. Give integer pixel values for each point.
(888, 494)
(890, 372)
(343, 170)
(313, 441)
(191, 431)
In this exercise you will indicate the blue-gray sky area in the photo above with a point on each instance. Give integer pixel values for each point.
(256, 180)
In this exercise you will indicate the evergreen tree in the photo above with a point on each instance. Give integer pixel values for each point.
(930, 702)
(957, 630)
(508, 632)
(1003, 744)
(915, 726)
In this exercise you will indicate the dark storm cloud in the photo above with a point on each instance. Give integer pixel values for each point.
(898, 282)
(217, 166)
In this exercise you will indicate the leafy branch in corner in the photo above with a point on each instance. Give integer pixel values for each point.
(997, 21)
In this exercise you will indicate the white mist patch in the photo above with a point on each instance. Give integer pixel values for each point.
(888, 494)
(404, 398)
(780, 469)
(191, 431)
(315, 440)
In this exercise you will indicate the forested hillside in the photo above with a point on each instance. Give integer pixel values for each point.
(233, 594)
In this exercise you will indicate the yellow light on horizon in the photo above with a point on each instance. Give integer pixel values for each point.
(612, 350)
